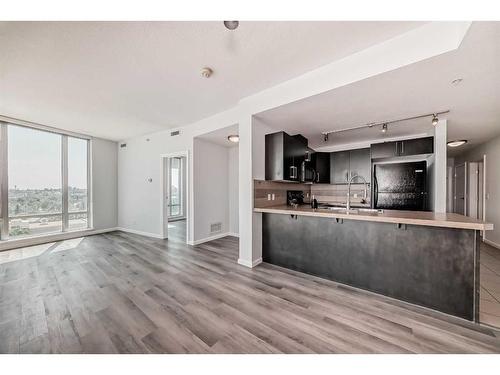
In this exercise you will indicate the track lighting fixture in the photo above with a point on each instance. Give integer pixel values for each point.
(385, 124)
(435, 120)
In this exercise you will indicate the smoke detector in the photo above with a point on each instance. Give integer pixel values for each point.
(206, 72)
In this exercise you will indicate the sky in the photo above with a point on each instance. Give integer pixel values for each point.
(35, 159)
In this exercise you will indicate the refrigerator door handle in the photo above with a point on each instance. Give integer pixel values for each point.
(375, 191)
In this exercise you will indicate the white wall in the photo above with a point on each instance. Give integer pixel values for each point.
(492, 151)
(233, 160)
(211, 188)
(104, 184)
(140, 201)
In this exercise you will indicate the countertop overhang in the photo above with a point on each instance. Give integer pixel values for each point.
(432, 219)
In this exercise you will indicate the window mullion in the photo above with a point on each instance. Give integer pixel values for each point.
(64, 174)
(4, 183)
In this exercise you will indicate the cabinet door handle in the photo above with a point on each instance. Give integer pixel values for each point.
(317, 176)
(397, 150)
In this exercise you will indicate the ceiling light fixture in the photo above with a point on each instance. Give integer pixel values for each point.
(206, 72)
(231, 25)
(235, 138)
(435, 120)
(457, 143)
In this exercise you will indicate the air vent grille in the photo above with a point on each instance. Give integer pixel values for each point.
(123, 145)
(174, 133)
(215, 227)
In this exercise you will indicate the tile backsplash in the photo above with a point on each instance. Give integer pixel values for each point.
(263, 188)
(324, 193)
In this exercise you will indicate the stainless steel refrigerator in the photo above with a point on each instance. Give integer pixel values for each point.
(400, 186)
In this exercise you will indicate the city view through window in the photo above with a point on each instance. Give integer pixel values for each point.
(35, 193)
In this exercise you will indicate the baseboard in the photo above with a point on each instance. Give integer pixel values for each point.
(25, 242)
(491, 243)
(207, 239)
(141, 233)
(249, 264)
(233, 234)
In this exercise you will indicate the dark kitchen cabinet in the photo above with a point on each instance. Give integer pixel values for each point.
(339, 167)
(416, 146)
(360, 164)
(384, 150)
(344, 164)
(321, 164)
(407, 147)
(284, 155)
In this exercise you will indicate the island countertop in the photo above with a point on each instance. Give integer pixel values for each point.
(433, 219)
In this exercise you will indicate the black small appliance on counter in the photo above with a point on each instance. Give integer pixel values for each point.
(294, 197)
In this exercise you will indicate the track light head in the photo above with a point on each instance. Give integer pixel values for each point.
(435, 120)
(384, 128)
(325, 137)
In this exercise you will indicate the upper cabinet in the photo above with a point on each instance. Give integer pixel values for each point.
(416, 146)
(339, 167)
(408, 147)
(321, 164)
(284, 155)
(360, 164)
(345, 164)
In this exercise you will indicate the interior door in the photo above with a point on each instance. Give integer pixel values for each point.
(460, 189)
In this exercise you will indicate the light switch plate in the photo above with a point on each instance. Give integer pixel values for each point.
(268, 197)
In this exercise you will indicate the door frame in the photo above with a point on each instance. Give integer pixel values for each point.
(164, 176)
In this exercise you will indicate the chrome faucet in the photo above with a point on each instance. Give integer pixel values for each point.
(348, 204)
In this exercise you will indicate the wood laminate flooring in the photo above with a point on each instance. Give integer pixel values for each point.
(489, 306)
(124, 293)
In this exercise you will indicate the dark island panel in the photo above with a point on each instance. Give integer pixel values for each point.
(429, 266)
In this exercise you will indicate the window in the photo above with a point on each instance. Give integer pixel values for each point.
(175, 204)
(44, 182)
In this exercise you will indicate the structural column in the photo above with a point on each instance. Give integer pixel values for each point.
(440, 158)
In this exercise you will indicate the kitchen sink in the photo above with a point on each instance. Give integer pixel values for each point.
(352, 210)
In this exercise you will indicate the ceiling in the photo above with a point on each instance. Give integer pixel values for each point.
(219, 136)
(117, 80)
(420, 88)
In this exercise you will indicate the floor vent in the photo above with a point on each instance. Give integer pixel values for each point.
(215, 227)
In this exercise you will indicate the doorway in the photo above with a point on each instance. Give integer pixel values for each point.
(175, 196)
(460, 189)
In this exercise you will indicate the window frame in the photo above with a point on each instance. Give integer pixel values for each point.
(4, 180)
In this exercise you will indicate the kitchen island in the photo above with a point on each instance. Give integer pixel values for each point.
(424, 258)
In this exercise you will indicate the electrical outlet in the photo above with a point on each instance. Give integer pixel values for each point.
(273, 196)
(268, 197)
(355, 195)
